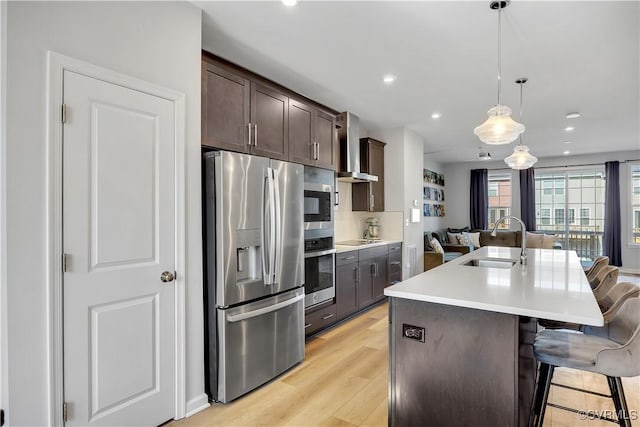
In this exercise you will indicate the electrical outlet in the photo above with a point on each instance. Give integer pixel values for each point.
(413, 332)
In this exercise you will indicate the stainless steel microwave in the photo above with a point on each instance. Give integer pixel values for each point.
(318, 198)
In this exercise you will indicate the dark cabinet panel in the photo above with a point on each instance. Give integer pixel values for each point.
(270, 119)
(346, 290)
(301, 132)
(319, 318)
(325, 140)
(370, 196)
(311, 135)
(225, 108)
(379, 277)
(365, 283)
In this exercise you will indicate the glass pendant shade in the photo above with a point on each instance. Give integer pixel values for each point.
(520, 159)
(499, 128)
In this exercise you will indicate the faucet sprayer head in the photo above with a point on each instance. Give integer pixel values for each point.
(494, 233)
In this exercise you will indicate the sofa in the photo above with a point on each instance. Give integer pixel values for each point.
(504, 238)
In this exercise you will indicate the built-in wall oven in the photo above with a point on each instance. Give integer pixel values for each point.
(319, 249)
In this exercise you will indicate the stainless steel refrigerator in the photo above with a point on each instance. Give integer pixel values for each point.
(254, 268)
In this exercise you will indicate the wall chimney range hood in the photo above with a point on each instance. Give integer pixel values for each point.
(349, 136)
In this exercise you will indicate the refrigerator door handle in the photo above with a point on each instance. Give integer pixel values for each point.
(266, 273)
(277, 240)
(264, 310)
(272, 227)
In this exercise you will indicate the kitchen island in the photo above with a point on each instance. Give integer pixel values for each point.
(461, 335)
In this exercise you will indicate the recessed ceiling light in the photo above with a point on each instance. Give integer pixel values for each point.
(565, 152)
(567, 142)
(573, 115)
(289, 2)
(389, 78)
(435, 116)
(569, 128)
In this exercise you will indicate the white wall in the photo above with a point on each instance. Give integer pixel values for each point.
(403, 184)
(154, 41)
(433, 223)
(458, 180)
(4, 397)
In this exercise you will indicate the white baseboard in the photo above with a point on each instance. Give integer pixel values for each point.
(197, 404)
(629, 270)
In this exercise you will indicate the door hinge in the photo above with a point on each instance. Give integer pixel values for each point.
(63, 113)
(65, 413)
(65, 259)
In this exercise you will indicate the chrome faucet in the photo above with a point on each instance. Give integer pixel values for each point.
(523, 249)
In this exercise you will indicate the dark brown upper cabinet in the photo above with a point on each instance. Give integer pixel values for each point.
(369, 196)
(270, 121)
(312, 136)
(240, 114)
(225, 109)
(244, 112)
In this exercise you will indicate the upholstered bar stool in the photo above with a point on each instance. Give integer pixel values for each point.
(598, 263)
(608, 277)
(616, 356)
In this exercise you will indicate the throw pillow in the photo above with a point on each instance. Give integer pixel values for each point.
(437, 247)
(458, 230)
(463, 239)
(453, 237)
(475, 239)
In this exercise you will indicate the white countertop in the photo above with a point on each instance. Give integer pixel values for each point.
(552, 286)
(347, 248)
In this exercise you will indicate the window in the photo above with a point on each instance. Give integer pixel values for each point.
(499, 198)
(585, 215)
(570, 204)
(634, 173)
(545, 216)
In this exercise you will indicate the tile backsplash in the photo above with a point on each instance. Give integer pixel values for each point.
(351, 225)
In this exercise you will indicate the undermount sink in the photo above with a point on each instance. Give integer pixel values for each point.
(491, 263)
(356, 242)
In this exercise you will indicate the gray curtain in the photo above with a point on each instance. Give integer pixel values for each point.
(612, 239)
(528, 198)
(479, 199)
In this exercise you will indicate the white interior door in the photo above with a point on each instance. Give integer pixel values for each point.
(119, 237)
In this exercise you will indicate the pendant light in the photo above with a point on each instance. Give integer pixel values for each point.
(499, 128)
(521, 159)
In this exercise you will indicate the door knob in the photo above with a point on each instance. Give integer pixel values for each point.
(167, 276)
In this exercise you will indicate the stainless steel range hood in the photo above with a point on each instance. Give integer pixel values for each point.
(349, 136)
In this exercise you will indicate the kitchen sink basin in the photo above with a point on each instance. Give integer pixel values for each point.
(356, 242)
(491, 263)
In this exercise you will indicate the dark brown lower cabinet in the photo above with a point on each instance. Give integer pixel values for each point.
(319, 318)
(346, 290)
(379, 277)
(361, 276)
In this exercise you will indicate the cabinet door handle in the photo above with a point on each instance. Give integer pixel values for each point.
(328, 316)
(249, 125)
(372, 269)
(307, 325)
(255, 136)
(371, 201)
(349, 257)
(357, 270)
(395, 262)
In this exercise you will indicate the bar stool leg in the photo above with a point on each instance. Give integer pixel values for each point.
(541, 395)
(619, 401)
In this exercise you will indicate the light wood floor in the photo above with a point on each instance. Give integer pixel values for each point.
(343, 382)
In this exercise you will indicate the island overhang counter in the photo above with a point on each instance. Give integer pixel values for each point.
(461, 335)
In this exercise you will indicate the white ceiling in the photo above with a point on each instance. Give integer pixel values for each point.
(578, 55)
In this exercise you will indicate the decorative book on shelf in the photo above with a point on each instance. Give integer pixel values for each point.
(433, 193)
